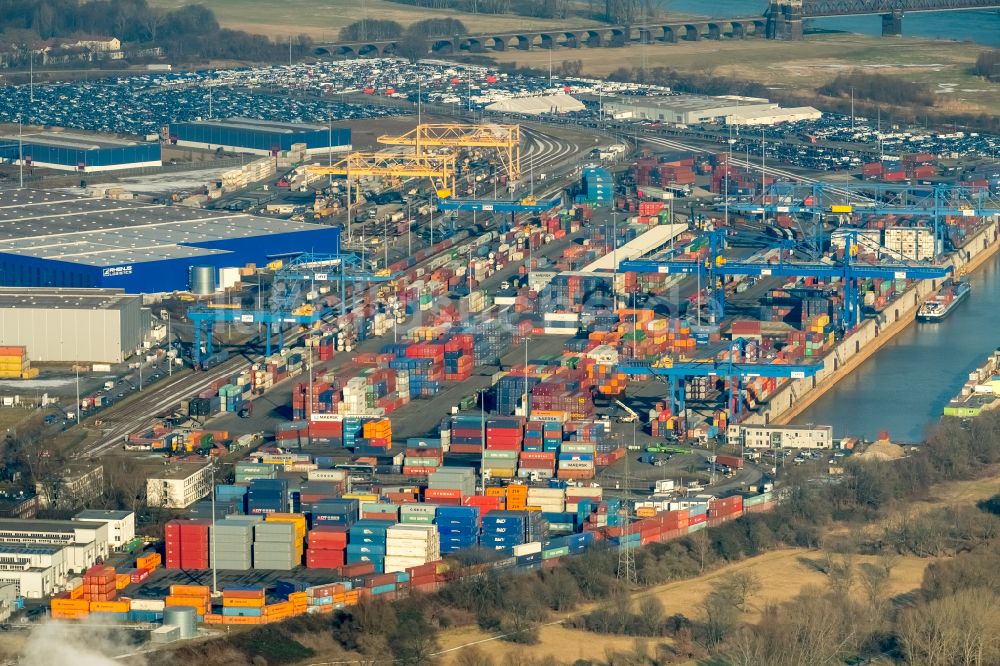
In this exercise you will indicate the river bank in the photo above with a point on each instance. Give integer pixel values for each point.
(797, 396)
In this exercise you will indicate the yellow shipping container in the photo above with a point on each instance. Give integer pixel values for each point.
(76, 592)
(70, 604)
(272, 610)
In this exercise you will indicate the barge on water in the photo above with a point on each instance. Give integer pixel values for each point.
(947, 298)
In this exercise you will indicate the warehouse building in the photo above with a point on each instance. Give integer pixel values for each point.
(57, 239)
(73, 325)
(78, 484)
(699, 109)
(121, 524)
(55, 148)
(179, 486)
(780, 437)
(259, 137)
(83, 543)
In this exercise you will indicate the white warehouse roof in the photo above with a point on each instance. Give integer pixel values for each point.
(560, 103)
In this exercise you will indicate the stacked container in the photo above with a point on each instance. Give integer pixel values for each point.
(366, 543)
(411, 545)
(506, 434)
(326, 546)
(417, 514)
(342, 512)
(449, 485)
(243, 605)
(14, 364)
(99, 583)
(466, 434)
(274, 546)
(267, 496)
(298, 520)
(576, 460)
(423, 456)
(198, 597)
(501, 464)
(231, 543)
(187, 544)
(458, 527)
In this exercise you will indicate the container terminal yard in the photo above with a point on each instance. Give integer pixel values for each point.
(366, 347)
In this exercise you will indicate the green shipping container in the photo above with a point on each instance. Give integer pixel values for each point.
(555, 552)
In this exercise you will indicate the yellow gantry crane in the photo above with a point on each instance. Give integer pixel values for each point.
(393, 165)
(505, 139)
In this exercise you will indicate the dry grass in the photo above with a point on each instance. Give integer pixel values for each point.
(782, 574)
(323, 19)
(945, 66)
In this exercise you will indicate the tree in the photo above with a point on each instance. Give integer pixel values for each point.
(366, 29)
(721, 618)
(738, 587)
(412, 46)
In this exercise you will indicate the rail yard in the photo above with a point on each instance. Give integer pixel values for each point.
(396, 328)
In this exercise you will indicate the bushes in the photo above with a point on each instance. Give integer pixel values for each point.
(879, 88)
(988, 65)
(370, 29)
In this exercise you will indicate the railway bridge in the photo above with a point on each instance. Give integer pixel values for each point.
(782, 20)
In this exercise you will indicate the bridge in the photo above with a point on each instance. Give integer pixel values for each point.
(782, 20)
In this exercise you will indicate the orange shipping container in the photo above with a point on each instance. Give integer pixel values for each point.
(122, 581)
(190, 591)
(110, 606)
(240, 602)
(70, 605)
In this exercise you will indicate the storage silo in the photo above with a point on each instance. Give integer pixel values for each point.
(183, 617)
(203, 280)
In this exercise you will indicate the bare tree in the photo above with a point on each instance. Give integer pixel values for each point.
(739, 586)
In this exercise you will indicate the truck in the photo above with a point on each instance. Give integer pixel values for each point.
(108, 385)
(732, 462)
(247, 410)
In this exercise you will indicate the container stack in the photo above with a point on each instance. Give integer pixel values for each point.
(598, 186)
(249, 471)
(458, 358)
(267, 496)
(536, 464)
(547, 500)
(366, 543)
(298, 520)
(576, 460)
(409, 546)
(99, 583)
(723, 510)
(502, 530)
(243, 605)
(14, 364)
(510, 393)
(231, 544)
(517, 497)
(187, 544)
(417, 514)
(378, 434)
(448, 485)
(198, 597)
(341, 512)
(466, 434)
(458, 527)
(326, 546)
(423, 456)
(501, 464)
(274, 546)
(505, 434)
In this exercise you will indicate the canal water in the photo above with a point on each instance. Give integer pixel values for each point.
(982, 26)
(904, 387)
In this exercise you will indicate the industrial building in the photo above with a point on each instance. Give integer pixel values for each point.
(55, 148)
(39, 556)
(57, 239)
(78, 484)
(259, 137)
(698, 109)
(8, 599)
(179, 486)
(780, 437)
(121, 524)
(70, 325)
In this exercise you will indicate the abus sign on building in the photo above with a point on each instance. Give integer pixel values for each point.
(115, 271)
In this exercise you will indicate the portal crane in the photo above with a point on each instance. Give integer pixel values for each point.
(716, 266)
(393, 165)
(310, 267)
(932, 201)
(207, 316)
(734, 369)
(504, 139)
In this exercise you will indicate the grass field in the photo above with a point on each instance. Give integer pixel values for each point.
(12, 416)
(323, 19)
(782, 574)
(945, 66)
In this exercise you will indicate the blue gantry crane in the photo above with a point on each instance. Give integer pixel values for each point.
(735, 369)
(935, 202)
(310, 267)
(206, 316)
(715, 266)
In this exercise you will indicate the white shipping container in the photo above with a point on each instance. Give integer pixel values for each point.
(529, 548)
(156, 605)
(327, 475)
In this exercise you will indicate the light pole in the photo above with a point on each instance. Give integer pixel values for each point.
(215, 540)
(527, 406)
(77, 368)
(170, 361)
(138, 353)
(482, 436)
(409, 231)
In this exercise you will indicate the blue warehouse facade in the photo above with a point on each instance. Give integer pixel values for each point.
(260, 137)
(141, 249)
(80, 156)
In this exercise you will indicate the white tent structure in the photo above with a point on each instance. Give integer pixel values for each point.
(560, 103)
